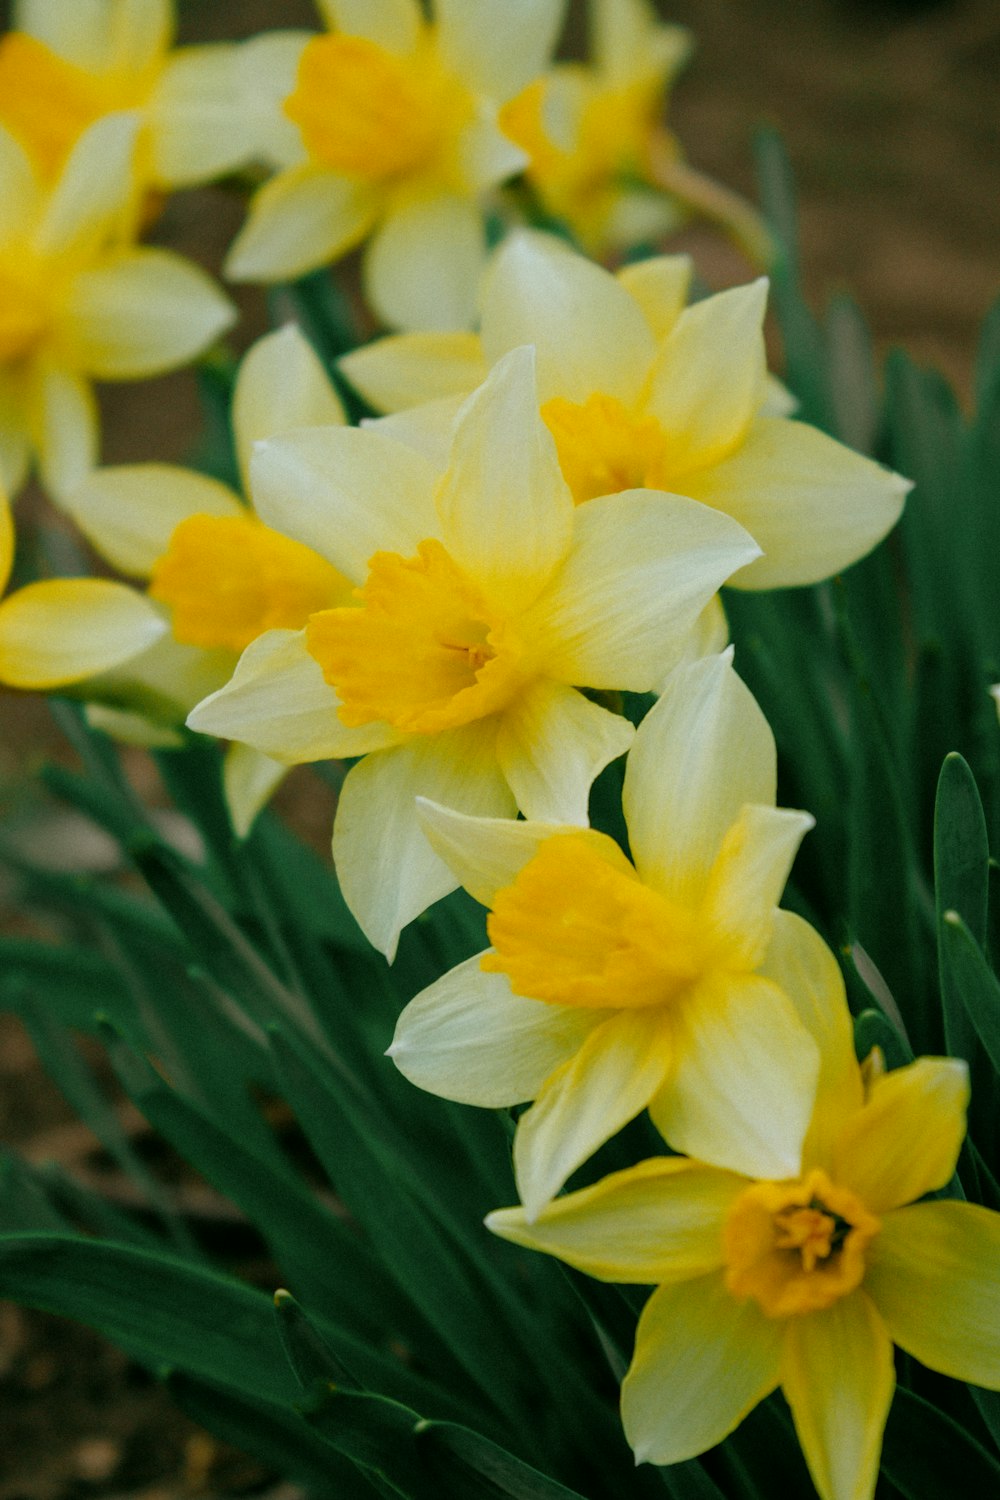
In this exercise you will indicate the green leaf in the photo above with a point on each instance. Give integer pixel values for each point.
(961, 884)
(75, 983)
(469, 1466)
(974, 982)
(925, 1453)
(309, 1355)
(872, 1028)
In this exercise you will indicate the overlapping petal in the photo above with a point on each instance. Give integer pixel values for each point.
(747, 880)
(65, 630)
(406, 369)
(281, 384)
(500, 45)
(129, 512)
(394, 24)
(423, 264)
(299, 220)
(552, 744)
(484, 854)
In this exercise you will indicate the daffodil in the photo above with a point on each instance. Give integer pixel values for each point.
(68, 63)
(395, 137)
(484, 601)
(78, 302)
(802, 1280)
(612, 986)
(638, 389)
(216, 574)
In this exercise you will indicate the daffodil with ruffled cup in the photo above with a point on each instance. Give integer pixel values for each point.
(613, 986)
(485, 600)
(638, 389)
(803, 1280)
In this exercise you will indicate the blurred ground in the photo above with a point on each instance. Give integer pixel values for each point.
(890, 115)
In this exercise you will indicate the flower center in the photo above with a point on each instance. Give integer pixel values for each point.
(370, 113)
(604, 448)
(796, 1247)
(578, 927)
(424, 652)
(25, 303)
(227, 579)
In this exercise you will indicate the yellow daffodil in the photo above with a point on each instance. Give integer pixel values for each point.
(806, 1280)
(69, 63)
(611, 986)
(219, 576)
(484, 599)
(395, 136)
(638, 389)
(77, 303)
(61, 631)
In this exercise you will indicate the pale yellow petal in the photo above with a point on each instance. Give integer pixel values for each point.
(429, 428)
(589, 333)
(778, 400)
(934, 1277)
(814, 506)
(505, 509)
(468, 1037)
(628, 40)
(300, 220)
(77, 32)
(487, 157)
(837, 1374)
(197, 124)
(64, 630)
(423, 264)
(394, 24)
(701, 753)
(279, 702)
(21, 192)
(129, 512)
(346, 492)
(661, 286)
(747, 879)
(93, 192)
(702, 1362)
(139, 33)
(405, 369)
(127, 728)
(388, 871)
(610, 1079)
(143, 312)
(709, 378)
(165, 681)
(266, 67)
(905, 1141)
(498, 45)
(67, 433)
(642, 568)
(484, 854)
(744, 1079)
(249, 780)
(281, 383)
(7, 541)
(552, 745)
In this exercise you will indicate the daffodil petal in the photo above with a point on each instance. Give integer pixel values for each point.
(905, 1141)
(394, 24)
(486, 156)
(702, 1362)
(660, 1221)
(661, 286)
(7, 541)
(423, 264)
(347, 492)
(588, 1099)
(932, 1275)
(814, 506)
(748, 877)
(305, 217)
(627, 40)
(279, 702)
(778, 400)
(20, 188)
(701, 753)
(429, 428)
(77, 32)
(281, 383)
(404, 369)
(265, 69)
(744, 1078)
(249, 780)
(197, 125)
(709, 378)
(129, 512)
(68, 430)
(837, 1374)
(589, 333)
(138, 32)
(505, 509)
(552, 744)
(484, 854)
(642, 567)
(498, 45)
(388, 871)
(94, 188)
(468, 1037)
(64, 630)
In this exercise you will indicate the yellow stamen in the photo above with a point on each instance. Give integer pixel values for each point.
(226, 579)
(578, 927)
(797, 1247)
(373, 114)
(424, 652)
(604, 448)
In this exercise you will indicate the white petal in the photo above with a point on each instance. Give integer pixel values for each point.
(552, 744)
(303, 218)
(65, 630)
(468, 1037)
(486, 156)
(589, 333)
(499, 45)
(506, 511)
(346, 492)
(266, 67)
(281, 384)
(279, 702)
(642, 568)
(198, 126)
(423, 265)
(249, 780)
(813, 505)
(143, 312)
(394, 24)
(405, 369)
(94, 190)
(702, 752)
(68, 430)
(388, 871)
(484, 854)
(429, 428)
(661, 286)
(129, 512)
(747, 880)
